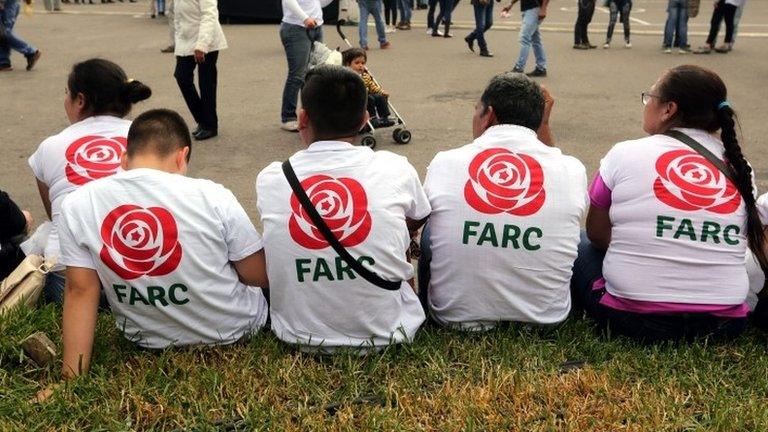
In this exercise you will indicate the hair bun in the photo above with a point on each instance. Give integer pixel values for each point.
(135, 91)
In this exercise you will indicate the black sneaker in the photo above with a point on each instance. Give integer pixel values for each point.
(205, 134)
(486, 53)
(32, 59)
(538, 72)
(470, 44)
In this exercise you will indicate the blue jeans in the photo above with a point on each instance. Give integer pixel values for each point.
(8, 19)
(530, 36)
(677, 22)
(372, 7)
(404, 6)
(617, 7)
(161, 6)
(53, 291)
(297, 42)
(483, 23)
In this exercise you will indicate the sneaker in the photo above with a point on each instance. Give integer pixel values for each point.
(684, 51)
(538, 72)
(580, 47)
(386, 45)
(470, 44)
(590, 46)
(364, 47)
(168, 49)
(667, 50)
(486, 53)
(517, 70)
(607, 45)
(389, 30)
(706, 49)
(628, 45)
(32, 59)
(724, 48)
(407, 26)
(448, 35)
(205, 134)
(434, 33)
(290, 126)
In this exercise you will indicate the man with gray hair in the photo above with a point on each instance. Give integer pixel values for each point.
(506, 210)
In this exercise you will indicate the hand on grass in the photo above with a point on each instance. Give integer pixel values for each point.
(44, 394)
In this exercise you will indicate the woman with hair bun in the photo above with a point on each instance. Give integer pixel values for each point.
(98, 97)
(670, 220)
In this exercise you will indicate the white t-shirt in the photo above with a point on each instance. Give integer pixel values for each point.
(85, 151)
(365, 197)
(296, 11)
(678, 224)
(737, 3)
(504, 230)
(163, 246)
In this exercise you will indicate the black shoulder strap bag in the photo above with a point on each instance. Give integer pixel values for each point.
(700, 149)
(321, 226)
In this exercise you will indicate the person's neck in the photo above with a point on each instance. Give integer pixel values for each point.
(153, 162)
(313, 140)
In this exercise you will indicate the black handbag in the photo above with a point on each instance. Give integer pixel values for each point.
(321, 226)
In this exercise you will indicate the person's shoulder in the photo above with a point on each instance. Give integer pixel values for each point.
(270, 173)
(390, 161)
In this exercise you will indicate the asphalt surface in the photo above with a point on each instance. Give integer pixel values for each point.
(434, 83)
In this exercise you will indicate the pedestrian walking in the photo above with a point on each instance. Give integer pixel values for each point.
(9, 13)
(170, 14)
(372, 7)
(534, 12)
(390, 15)
(580, 31)
(483, 23)
(198, 40)
(302, 25)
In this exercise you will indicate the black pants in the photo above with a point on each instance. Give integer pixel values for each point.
(644, 327)
(431, 22)
(586, 11)
(723, 11)
(390, 10)
(378, 106)
(202, 105)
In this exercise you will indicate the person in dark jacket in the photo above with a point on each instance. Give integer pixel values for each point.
(14, 225)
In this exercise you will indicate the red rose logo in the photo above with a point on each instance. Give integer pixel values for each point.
(343, 205)
(688, 181)
(93, 157)
(140, 241)
(501, 181)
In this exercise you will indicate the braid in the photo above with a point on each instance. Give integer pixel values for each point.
(742, 175)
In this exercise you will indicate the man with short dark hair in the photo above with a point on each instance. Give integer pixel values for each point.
(371, 202)
(509, 203)
(179, 259)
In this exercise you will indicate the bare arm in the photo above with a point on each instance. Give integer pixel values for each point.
(252, 270)
(81, 302)
(507, 8)
(545, 133)
(599, 227)
(45, 197)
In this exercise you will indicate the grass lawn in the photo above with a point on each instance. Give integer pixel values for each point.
(508, 379)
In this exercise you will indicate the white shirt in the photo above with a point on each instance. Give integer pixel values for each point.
(196, 27)
(504, 230)
(296, 11)
(85, 151)
(163, 246)
(737, 3)
(678, 224)
(365, 197)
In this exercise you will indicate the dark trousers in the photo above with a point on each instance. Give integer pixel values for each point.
(431, 21)
(390, 11)
(623, 8)
(586, 12)
(647, 327)
(483, 23)
(722, 12)
(202, 105)
(378, 106)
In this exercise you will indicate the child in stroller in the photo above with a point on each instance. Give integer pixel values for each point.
(378, 99)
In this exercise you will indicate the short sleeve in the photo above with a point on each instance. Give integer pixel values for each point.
(599, 193)
(609, 166)
(239, 233)
(74, 253)
(419, 207)
(36, 163)
(762, 207)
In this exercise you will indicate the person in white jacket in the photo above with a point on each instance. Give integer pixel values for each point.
(301, 26)
(198, 40)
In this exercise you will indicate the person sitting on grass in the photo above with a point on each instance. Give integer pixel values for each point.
(670, 220)
(378, 99)
(506, 213)
(372, 203)
(98, 97)
(179, 259)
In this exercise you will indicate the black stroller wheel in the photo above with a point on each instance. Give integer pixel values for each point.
(401, 136)
(368, 141)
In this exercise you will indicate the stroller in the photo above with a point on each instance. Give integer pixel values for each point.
(321, 54)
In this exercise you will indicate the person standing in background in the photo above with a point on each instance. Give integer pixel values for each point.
(725, 10)
(405, 15)
(9, 12)
(534, 12)
(581, 32)
(623, 7)
(169, 13)
(677, 26)
(301, 26)
(390, 15)
(372, 7)
(198, 40)
(483, 23)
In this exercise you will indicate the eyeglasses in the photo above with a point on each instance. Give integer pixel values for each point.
(645, 97)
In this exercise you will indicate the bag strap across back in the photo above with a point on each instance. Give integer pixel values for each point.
(321, 226)
(700, 149)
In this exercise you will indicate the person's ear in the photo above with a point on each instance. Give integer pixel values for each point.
(489, 118)
(670, 111)
(181, 159)
(80, 101)
(124, 161)
(303, 119)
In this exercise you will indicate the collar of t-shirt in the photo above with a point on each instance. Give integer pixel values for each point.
(504, 133)
(319, 146)
(709, 141)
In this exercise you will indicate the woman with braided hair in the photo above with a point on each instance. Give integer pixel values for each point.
(670, 220)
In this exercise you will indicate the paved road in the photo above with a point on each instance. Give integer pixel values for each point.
(434, 83)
